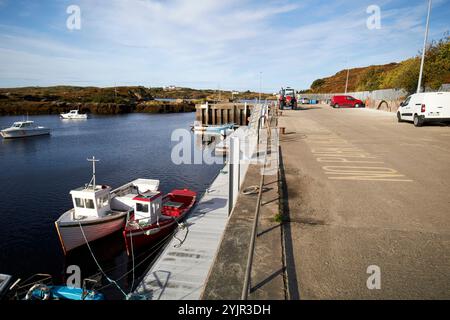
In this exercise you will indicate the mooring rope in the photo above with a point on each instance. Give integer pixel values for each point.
(98, 265)
(157, 247)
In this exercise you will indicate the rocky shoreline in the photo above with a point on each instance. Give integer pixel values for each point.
(38, 108)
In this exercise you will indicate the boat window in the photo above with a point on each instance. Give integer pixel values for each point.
(79, 203)
(102, 202)
(105, 201)
(99, 203)
(141, 207)
(89, 203)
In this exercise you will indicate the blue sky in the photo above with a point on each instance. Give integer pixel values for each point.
(207, 43)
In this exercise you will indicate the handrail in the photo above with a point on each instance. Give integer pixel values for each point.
(251, 249)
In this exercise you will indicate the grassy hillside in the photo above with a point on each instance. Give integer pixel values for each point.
(403, 75)
(57, 99)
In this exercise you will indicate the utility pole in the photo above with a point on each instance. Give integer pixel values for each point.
(346, 81)
(260, 86)
(419, 84)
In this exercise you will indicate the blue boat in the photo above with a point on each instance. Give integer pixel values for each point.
(43, 292)
(40, 287)
(220, 127)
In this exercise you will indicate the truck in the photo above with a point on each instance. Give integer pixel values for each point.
(287, 98)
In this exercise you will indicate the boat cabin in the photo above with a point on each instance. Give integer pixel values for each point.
(142, 196)
(147, 206)
(91, 202)
(23, 124)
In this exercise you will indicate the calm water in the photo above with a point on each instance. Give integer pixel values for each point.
(38, 173)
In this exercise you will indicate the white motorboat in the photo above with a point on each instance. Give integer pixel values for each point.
(22, 129)
(5, 281)
(73, 114)
(97, 211)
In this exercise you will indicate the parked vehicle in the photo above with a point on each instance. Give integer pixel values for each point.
(23, 129)
(344, 101)
(304, 101)
(425, 107)
(287, 98)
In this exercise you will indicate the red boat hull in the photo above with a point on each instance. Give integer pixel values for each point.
(138, 238)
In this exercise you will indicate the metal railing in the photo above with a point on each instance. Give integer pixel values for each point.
(251, 249)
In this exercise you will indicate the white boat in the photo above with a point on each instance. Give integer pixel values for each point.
(22, 129)
(5, 281)
(97, 211)
(198, 126)
(73, 114)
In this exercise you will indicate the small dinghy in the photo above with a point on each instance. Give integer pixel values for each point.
(220, 128)
(73, 114)
(23, 129)
(155, 216)
(5, 281)
(44, 292)
(40, 287)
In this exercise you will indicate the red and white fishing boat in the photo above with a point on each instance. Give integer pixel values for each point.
(155, 216)
(98, 212)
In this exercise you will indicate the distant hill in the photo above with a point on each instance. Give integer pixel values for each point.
(112, 100)
(336, 83)
(402, 75)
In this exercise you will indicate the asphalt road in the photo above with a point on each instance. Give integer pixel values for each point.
(366, 194)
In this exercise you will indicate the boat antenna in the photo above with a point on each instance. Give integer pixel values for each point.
(93, 160)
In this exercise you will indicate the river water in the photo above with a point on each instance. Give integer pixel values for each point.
(38, 173)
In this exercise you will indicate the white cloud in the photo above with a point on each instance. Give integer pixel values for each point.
(211, 42)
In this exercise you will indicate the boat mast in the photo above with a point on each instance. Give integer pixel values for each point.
(93, 160)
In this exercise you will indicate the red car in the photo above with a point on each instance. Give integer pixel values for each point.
(346, 102)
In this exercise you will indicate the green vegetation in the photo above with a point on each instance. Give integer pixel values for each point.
(57, 99)
(403, 75)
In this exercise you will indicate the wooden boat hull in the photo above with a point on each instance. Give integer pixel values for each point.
(138, 238)
(71, 235)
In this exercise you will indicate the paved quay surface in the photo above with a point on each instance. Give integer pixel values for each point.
(364, 190)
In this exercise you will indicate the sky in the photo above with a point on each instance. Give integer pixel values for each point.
(217, 44)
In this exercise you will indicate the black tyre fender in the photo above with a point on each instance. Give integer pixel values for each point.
(399, 117)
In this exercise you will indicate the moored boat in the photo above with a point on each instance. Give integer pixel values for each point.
(73, 114)
(155, 216)
(40, 287)
(220, 127)
(5, 281)
(97, 211)
(23, 129)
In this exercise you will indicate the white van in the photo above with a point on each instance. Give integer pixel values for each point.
(425, 107)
